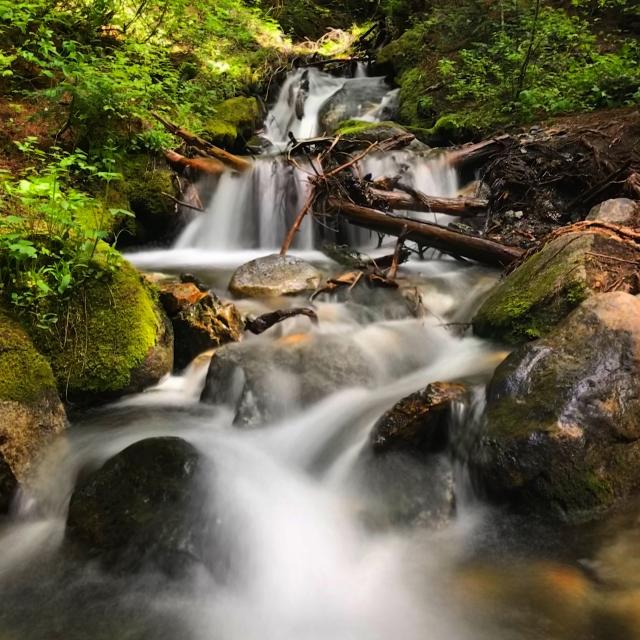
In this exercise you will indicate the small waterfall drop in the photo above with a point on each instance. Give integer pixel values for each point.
(254, 210)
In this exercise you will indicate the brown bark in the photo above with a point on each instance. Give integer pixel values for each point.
(426, 234)
(473, 154)
(461, 207)
(178, 162)
(262, 323)
(235, 162)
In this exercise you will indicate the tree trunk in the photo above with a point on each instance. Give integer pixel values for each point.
(178, 162)
(461, 207)
(426, 234)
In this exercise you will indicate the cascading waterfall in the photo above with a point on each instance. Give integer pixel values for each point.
(254, 210)
(320, 539)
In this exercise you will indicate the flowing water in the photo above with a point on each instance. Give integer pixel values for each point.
(321, 540)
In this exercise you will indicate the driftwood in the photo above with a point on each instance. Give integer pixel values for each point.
(267, 320)
(425, 234)
(178, 162)
(461, 207)
(235, 162)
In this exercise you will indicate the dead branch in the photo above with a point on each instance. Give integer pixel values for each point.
(417, 201)
(207, 165)
(235, 162)
(181, 203)
(298, 221)
(267, 320)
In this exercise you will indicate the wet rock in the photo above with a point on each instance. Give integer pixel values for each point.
(361, 130)
(562, 433)
(8, 485)
(266, 380)
(403, 489)
(143, 507)
(274, 275)
(543, 290)
(31, 413)
(353, 100)
(201, 321)
(621, 211)
(419, 422)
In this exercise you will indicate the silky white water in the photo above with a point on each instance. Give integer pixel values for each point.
(321, 540)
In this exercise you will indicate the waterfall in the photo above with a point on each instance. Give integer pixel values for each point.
(254, 210)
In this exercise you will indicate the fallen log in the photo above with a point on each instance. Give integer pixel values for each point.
(178, 162)
(473, 154)
(426, 234)
(461, 207)
(235, 162)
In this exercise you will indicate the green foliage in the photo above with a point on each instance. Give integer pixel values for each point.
(47, 249)
(113, 62)
(497, 63)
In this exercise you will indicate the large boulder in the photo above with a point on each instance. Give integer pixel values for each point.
(31, 413)
(620, 211)
(201, 321)
(544, 289)
(273, 276)
(419, 422)
(562, 435)
(144, 506)
(264, 380)
(116, 339)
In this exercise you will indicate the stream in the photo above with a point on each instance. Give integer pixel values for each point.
(319, 541)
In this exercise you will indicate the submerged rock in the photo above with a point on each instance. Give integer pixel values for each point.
(31, 413)
(621, 211)
(143, 507)
(201, 321)
(418, 422)
(543, 290)
(273, 276)
(118, 340)
(562, 433)
(265, 380)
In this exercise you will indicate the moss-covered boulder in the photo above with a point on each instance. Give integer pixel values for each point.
(235, 122)
(114, 339)
(273, 276)
(31, 413)
(543, 290)
(362, 130)
(200, 320)
(562, 434)
(418, 423)
(144, 506)
(145, 191)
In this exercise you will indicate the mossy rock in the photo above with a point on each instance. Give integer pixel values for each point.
(562, 434)
(362, 130)
(143, 506)
(114, 339)
(543, 290)
(145, 189)
(235, 122)
(31, 413)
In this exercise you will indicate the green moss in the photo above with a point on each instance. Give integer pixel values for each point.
(24, 373)
(358, 127)
(107, 333)
(538, 294)
(236, 118)
(220, 133)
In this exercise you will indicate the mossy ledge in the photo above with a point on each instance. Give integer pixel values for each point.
(113, 339)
